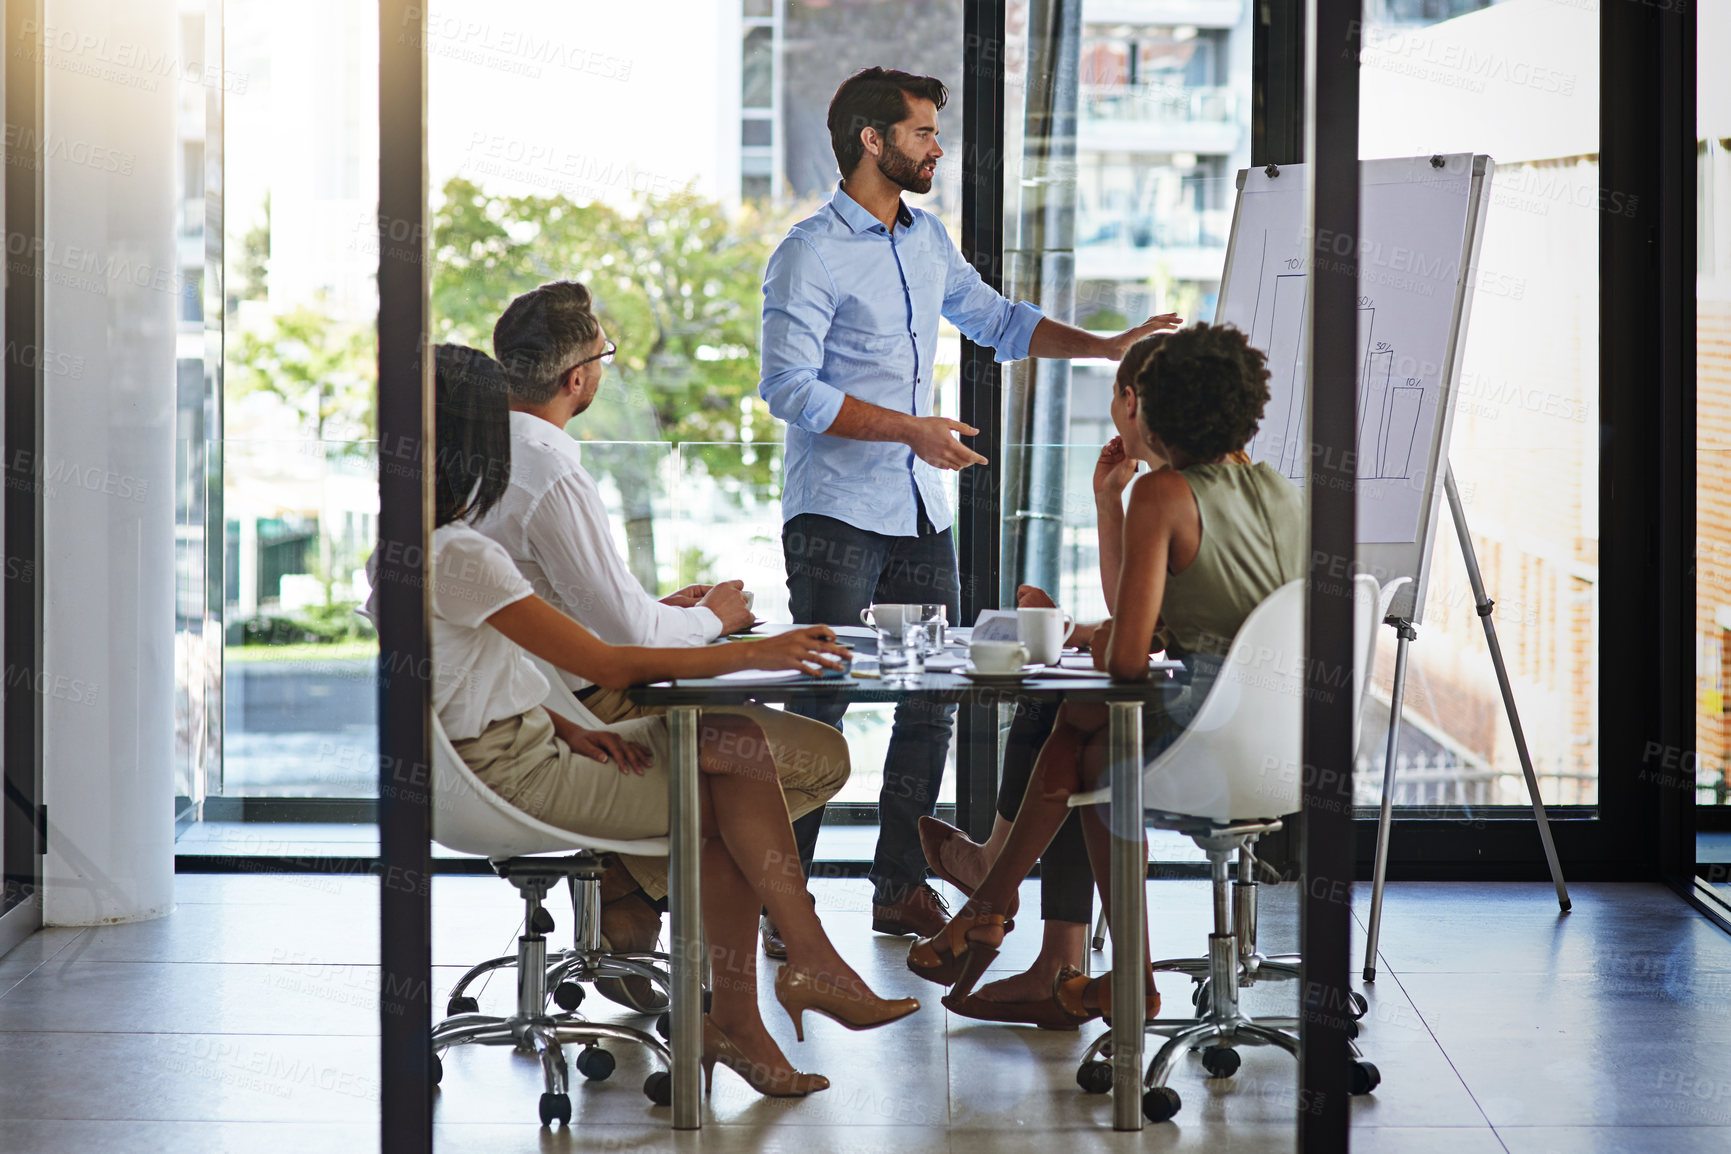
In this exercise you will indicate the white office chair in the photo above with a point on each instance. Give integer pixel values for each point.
(1226, 780)
(470, 818)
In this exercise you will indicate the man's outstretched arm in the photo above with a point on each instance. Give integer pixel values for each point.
(1060, 341)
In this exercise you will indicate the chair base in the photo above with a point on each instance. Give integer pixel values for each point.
(1220, 1027)
(542, 979)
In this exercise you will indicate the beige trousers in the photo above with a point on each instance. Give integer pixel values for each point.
(522, 761)
(810, 758)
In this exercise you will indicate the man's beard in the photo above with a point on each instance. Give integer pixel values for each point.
(903, 170)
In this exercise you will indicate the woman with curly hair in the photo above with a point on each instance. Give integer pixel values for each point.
(1206, 537)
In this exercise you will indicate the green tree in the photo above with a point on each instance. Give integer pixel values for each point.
(322, 368)
(326, 371)
(677, 286)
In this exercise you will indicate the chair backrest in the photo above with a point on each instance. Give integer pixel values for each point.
(560, 699)
(1240, 757)
(470, 818)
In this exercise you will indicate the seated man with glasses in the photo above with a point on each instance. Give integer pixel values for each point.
(553, 523)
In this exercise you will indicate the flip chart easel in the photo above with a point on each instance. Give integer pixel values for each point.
(1422, 223)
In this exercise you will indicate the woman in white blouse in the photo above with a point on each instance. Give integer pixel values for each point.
(612, 781)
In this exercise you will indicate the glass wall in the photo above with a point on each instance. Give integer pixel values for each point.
(1124, 128)
(659, 153)
(299, 494)
(1712, 754)
(1517, 80)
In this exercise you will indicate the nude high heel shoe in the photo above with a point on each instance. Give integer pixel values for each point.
(798, 991)
(718, 1047)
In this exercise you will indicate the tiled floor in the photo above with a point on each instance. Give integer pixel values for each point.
(246, 1021)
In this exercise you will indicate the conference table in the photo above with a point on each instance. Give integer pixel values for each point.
(683, 701)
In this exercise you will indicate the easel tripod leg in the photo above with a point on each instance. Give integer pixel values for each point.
(1405, 632)
(1484, 605)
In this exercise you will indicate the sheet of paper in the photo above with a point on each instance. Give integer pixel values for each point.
(995, 625)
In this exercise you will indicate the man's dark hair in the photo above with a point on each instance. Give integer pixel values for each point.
(1202, 389)
(875, 98)
(472, 422)
(541, 335)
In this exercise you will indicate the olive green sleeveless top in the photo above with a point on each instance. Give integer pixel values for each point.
(1253, 540)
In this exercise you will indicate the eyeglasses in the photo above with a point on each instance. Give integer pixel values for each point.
(605, 356)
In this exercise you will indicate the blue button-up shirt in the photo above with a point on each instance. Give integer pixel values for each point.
(850, 309)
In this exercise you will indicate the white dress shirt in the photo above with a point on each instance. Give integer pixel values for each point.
(554, 525)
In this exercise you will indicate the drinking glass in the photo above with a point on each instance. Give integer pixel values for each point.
(901, 654)
(934, 618)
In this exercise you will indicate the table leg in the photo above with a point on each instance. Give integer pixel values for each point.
(1129, 912)
(684, 826)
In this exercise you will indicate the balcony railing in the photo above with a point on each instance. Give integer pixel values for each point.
(1158, 103)
(1207, 228)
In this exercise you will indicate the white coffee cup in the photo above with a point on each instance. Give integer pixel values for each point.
(891, 617)
(749, 598)
(1044, 632)
(998, 656)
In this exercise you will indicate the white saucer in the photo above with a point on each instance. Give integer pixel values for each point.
(982, 676)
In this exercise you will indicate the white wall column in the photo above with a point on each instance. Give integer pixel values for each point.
(111, 298)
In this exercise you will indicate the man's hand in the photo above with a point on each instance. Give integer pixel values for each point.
(1033, 597)
(809, 650)
(1120, 344)
(1113, 471)
(933, 439)
(686, 597)
(727, 601)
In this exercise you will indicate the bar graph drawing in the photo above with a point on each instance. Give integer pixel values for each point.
(1419, 223)
(1389, 410)
(1405, 326)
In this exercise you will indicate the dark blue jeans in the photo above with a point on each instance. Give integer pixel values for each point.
(833, 571)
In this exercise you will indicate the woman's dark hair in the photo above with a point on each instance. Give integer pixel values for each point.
(1202, 389)
(473, 427)
(875, 98)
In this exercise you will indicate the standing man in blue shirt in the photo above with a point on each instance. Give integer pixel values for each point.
(851, 302)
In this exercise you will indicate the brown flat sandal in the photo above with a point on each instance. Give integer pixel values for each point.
(1073, 993)
(959, 953)
(1046, 1013)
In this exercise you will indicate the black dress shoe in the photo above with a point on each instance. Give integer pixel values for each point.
(773, 946)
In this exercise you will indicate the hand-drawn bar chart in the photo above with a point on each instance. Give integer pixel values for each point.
(1388, 407)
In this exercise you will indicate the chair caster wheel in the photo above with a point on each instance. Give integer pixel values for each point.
(1199, 998)
(436, 1068)
(462, 1004)
(555, 1107)
(658, 1088)
(1350, 1025)
(1160, 1104)
(595, 1064)
(664, 1023)
(1360, 1007)
(1365, 1078)
(568, 996)
(1221, 1061)
(1094, 1077)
